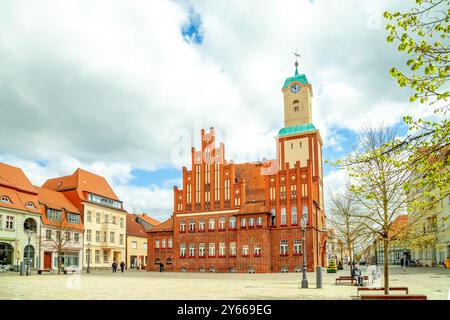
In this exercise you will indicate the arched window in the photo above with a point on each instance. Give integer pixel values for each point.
(212, 269)
(232, 270)
(298, 269)
(27, 254)
(169, 261)
(294, 215)
(295, 106)
(30, 205)
(251, 270)
(284, 269)
(273, 217)
(183, 269)
(211, 224)
(202, 269)
(157, 261)
(222, 223)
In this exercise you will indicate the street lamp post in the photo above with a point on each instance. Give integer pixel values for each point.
(303, 223)
(29, 231)
(88, 270)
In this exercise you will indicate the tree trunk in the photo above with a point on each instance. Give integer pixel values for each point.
(59, 263)
(386, 266)
(350, 258)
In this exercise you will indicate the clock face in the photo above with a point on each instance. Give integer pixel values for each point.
(295, 88)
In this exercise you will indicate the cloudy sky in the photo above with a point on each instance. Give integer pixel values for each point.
(122, 88)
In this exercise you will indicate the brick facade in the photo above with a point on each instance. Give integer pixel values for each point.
(245, 217)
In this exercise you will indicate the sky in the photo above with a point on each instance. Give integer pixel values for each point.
(123, 88)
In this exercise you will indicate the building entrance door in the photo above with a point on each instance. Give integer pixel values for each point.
(47, 260)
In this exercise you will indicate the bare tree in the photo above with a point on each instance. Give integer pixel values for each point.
(59, 243)
(344, 221)
(378, 185)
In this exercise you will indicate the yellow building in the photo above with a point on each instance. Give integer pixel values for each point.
(136, 255)
(103, 216)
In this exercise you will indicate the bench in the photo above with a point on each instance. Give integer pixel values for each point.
(382, 289)
(348, 278)
(393, 297)
(71, 271)
(43, 270)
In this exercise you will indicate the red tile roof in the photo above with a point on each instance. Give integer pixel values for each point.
(134, 228)
(83, 181)
(17, 188)
(58, 201)
(149, 219)
(165, 226)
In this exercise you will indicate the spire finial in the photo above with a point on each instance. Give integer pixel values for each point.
(296, 61)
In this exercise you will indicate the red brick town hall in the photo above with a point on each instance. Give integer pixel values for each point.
(246, 217)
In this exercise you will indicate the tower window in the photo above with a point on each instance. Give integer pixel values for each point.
(296, 109)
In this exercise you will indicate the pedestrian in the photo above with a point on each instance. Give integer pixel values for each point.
(403, 264)
(122, 266)
(357, 275)
(114, 266)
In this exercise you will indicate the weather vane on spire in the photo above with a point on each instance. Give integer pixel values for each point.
(297, 55)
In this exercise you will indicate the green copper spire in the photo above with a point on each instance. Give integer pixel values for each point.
(297, 77)
(296, 69)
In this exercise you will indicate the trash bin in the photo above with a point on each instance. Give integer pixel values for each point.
(447, 263)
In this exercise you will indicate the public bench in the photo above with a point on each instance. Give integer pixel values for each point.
(393, 297)
(43, 270)
(349, 278)
(69, 271)
(382, 289)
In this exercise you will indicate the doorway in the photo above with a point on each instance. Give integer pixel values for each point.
(47, 260)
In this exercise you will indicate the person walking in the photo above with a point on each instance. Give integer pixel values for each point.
(403, 264)
(122, 266)
(114, 266)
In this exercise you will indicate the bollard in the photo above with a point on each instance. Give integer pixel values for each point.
(21, 268)
(318, 277)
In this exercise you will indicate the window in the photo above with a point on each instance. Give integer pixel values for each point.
(298, 269)
(201, 225)
(259, 221)
(58, 235)
(251, 222)
(183, 269)
(48, 234)
(293, 191)
(222, 249)
(216, 181)
(221, 223)
(192, 226)
(97, 217)
(121, 239)
(169, 243)
(283, 192)
(97, 235)
(197, 183)
(106, 218)
(283, 216)
(201, 250)
(97, 256)
(202, 269)
(144, 246)
(183, 226)
(251, 270)
(232, 249)
(284, 247)
(105, 236)
(284, 269)
(9, 223)
(134, 245)
(88, 235)
(182, 250)
(121, 222)
(294, 215)
(1, 222)
(5, 199)
(192, 250)
(257, 250)
(245, 250)
(227, 189)
(73, 218)
(273, 217)
(105, 256)
(212, 269)
(114, 219)
(163, 243)
(55, 215)
(30, 205)
(232, 223)
(67, 236)
(212, 250)
(104, 201)
(211, 224)
(297, 247)
(232, 270)
(157, 244)
(76, 237)
(89, 216)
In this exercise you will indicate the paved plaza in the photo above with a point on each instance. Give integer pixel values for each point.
(434, 283)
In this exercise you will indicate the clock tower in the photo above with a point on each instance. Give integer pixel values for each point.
(297, 100)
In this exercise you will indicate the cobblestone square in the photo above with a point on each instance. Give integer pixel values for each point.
(434, 283)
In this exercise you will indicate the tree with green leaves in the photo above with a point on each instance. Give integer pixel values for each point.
(423, 34)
